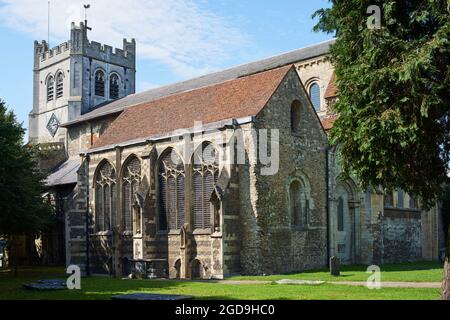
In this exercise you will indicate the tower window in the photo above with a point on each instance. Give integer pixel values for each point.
(114, 86)
(314, 95)
(100, 83)
(50, 89)
(59, 85)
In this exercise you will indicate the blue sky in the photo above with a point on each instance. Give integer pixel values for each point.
(176, 39)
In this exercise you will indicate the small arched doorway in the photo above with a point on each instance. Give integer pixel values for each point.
(196, 269)
(343, 224)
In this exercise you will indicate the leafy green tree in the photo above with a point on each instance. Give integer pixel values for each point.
(394, 91)
(22, 207)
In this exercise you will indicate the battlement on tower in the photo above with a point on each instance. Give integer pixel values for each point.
(80, 44)
(126, 56)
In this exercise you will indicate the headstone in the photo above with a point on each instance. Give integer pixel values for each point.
(300, 282)
(334, 266)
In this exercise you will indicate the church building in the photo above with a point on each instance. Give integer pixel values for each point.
(228, 173)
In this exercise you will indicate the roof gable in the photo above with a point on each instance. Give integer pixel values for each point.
(232, 99)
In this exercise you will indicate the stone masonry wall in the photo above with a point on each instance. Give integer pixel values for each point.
(272, 244)
(401, 236)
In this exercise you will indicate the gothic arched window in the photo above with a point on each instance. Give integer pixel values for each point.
(105, 196)
(114, 86)
(50, 88)
(131, 178)
(100, 83)
(340, 214)
(59, 85)
(295, 116)
(171, 178)
(314, 94)
(204, 179)
(299, 204)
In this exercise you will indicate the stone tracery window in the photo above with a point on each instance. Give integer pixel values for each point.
(114, 86)
(50, 88)
(171, 178)
(105, 196)
(99, 83)
(131, 178)
(204, 179)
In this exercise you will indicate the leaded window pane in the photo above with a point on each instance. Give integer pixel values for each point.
(99, 84)
(171, 191)
(314, 94)
(105, 197)
(206, 171)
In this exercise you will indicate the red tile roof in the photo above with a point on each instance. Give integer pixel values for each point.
(331, 91)
(328, 122)
(233, 99)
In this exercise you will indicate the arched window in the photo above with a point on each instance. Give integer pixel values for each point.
(114, 86)
(100, 83)
(204, 179)
(299, 204)
(50, 88)
(59, 85)
(131, 178)
(105, 196)
(171, 191)
(340, 214)
(295, 116)
(314, 94)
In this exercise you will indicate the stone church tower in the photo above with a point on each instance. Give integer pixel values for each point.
(73, 79)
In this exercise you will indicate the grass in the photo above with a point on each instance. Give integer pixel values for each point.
(101, 288)
(424, 271)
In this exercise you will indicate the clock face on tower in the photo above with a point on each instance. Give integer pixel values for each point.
(53, 125)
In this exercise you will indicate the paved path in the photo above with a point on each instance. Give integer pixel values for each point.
(385, 284)
(391, 284)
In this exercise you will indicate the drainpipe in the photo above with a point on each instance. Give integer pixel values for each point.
(88, 269)
(327, 180)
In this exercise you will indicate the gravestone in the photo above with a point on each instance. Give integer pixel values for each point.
(334, 266)
(46, 285)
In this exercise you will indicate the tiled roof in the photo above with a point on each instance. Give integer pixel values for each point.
(328, 122)
(207, 80)
(66, 173)
(234, 99)
(331, 91)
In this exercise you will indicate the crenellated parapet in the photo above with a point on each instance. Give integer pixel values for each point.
(43, 56)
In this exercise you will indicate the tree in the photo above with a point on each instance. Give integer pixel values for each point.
(394, 89)
(23, 209)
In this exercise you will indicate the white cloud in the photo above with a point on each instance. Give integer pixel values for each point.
(181, 34)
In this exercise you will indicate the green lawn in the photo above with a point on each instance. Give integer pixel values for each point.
(104, 288)
(404, 272)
